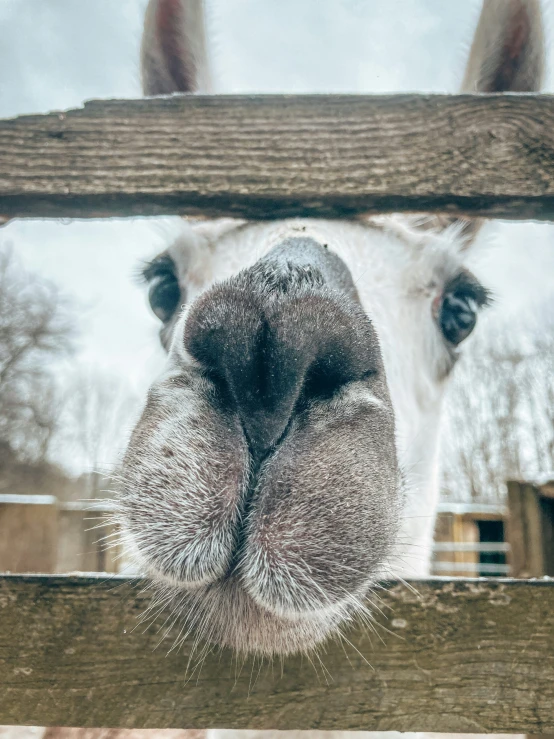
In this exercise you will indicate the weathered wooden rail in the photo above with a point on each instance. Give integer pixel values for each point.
(463, 656)
(276, 156)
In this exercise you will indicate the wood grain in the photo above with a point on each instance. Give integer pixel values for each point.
(29, 536)
(460, 656)
(278, 156)
(530, 529)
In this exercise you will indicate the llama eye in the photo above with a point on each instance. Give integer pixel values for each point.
(460, 306)
(458, 317)
(164, 296)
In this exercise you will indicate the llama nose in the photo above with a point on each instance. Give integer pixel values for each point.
(276, 337)
(262, 370)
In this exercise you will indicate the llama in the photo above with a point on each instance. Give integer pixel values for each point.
(286, 459)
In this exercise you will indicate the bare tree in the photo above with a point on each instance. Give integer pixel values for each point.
(36, 330)
(98, 411)
(499, 422)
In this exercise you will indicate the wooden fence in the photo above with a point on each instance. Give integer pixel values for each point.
(531, 528)
(463, 656)
(39, 533)
(473, 656)
(275, 156)
(463, 547)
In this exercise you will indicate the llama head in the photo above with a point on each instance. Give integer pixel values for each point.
(286, 457)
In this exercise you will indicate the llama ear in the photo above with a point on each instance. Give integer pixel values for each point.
(507, 54)
(173, 51)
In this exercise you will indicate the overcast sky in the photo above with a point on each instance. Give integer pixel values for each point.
(57, 53)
